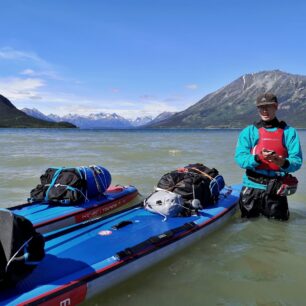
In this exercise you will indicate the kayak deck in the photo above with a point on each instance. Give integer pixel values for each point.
(79, 260)
(47, 217)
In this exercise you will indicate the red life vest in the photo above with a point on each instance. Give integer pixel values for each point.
(270, 140)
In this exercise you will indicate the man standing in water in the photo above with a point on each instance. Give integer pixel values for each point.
(267, 150)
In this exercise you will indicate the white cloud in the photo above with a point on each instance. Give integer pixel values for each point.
(147, 97)
(31, 88)
(30, 93)
(21, 89)
(8, 53)
(22, 58)
(27, 72)
(191, 86)
(153, 109)
(33, 93)
(64, 104)
(158, 106)
(46, 73)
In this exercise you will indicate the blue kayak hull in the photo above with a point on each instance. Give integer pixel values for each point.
(49, 217)
(85, 259)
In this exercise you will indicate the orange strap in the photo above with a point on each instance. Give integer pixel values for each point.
(203, 173)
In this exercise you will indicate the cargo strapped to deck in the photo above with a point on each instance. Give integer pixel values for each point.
(155, 240)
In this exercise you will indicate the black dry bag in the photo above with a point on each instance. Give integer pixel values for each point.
(21, 248)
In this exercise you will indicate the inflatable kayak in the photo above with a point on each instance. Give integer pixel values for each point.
(87, 258)
(48, 217)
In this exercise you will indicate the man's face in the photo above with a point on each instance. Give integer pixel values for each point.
(267, 112)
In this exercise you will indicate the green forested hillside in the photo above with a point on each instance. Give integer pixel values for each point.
(11, 117)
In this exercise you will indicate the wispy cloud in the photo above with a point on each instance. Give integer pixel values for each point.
(172, 99)
(191, 86)
(84, 106)
(41, 68)
(158, 107)
(8, 53)
(51, 74)
(21, 89)
(34, 85)
(27, 72)
(32, 93)
(147, 97)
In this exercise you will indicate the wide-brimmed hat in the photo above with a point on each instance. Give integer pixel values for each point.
(266, 99)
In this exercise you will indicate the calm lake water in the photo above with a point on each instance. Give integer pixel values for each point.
(258, 262)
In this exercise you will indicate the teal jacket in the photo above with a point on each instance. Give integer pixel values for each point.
(249, 137)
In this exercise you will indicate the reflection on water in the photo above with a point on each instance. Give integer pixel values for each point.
(258, 262)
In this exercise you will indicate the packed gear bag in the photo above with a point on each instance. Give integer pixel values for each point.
(165, 203)
(97, 179)
(283, 186)
(71, 186)
(217, 182)
(60, 185)
(21, 248)
(194, 181)
(189, 185)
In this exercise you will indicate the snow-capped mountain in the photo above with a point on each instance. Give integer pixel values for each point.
(99, 120)
(33, 112)
(140, 121)
(92, 121)
(161, 117)
(95, 121)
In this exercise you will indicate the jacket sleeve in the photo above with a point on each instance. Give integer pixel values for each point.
(295, 156)
(246, 141)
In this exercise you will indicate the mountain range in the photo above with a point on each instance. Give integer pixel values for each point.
(99, 120)
(11, 117)
(233, 106)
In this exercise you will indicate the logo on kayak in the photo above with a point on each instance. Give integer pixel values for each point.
(105, 233)
(66, 302)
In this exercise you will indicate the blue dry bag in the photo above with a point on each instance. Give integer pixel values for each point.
(97, 178)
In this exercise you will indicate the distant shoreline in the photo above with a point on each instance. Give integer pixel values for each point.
(132, 129)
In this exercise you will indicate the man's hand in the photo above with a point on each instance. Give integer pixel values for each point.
(272, 157)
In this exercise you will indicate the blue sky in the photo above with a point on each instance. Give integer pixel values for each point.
(141, 57)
